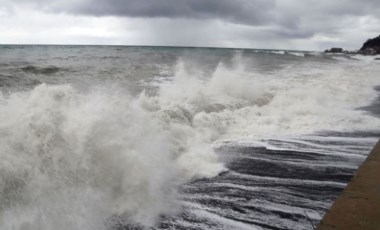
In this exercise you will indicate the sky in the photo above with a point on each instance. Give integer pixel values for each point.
(264, 24)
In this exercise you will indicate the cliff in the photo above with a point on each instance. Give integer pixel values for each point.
(371, 46)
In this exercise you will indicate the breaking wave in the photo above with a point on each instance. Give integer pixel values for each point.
(74, 159)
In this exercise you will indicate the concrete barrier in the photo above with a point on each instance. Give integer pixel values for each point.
(358, 206)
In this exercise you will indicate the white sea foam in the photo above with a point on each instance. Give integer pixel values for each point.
(298, 54)
(69, 157)
(236, 104)
(69, 160)
(72, 159)
(281, 52)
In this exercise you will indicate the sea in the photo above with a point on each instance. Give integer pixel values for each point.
(127, 137)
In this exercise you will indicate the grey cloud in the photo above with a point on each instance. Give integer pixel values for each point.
(290, 14)
(294, 18)
(276, 19)
(250, 12)
(285, 21)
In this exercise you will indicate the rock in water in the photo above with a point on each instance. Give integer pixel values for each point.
(334, 50)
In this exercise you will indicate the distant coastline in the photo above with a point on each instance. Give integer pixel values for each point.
(370, 47)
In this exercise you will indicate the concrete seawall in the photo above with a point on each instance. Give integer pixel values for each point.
(358, 206)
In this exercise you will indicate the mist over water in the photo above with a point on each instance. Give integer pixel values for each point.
(89, 135)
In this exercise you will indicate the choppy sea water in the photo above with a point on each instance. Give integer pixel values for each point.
(113, 137)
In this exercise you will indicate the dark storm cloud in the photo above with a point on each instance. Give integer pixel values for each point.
(286, 13)
(293, 18)
(251, 12)
(321, 23)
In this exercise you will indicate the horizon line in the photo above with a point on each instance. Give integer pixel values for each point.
(158, 46)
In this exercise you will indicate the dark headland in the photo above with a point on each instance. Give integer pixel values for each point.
(370, 47)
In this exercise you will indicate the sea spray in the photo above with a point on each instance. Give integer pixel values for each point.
(71, 160)
(74, 159)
